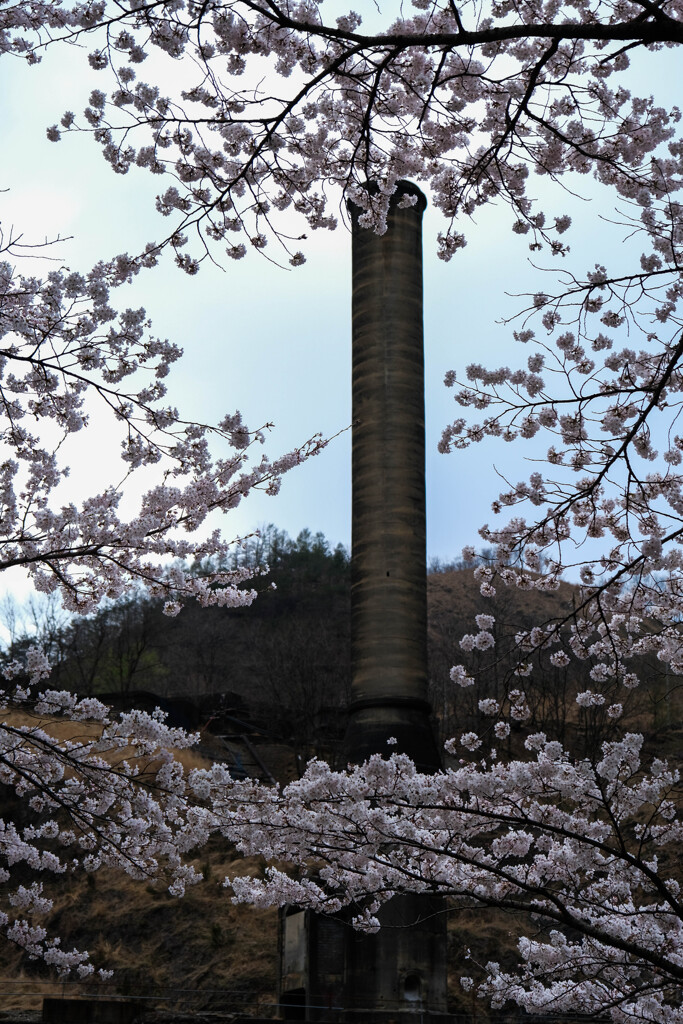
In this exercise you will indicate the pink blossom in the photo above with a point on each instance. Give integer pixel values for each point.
(470, 740)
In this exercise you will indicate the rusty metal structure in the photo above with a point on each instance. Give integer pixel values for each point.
(328, 971)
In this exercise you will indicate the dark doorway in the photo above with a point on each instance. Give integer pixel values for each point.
(293, 1004)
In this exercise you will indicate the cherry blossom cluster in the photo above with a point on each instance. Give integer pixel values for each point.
(610, 490)
(112, 795)
(574, 844)
(473, 101)
(519, 674)
(63, 347)
(468, 99)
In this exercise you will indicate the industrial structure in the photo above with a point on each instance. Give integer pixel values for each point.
(328, 971)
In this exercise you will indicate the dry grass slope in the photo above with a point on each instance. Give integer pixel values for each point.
(202, 946)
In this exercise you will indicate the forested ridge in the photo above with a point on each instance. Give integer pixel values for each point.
(283, 665)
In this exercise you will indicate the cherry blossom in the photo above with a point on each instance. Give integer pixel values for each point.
(113, 795)
(64, 347)
(474, 103)
(478, 103)
(575, 844)
(467, 100)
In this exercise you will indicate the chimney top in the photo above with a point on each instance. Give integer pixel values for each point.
(403, 188)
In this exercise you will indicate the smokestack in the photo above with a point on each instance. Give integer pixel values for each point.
(402, 969)
(388, 550)
(328, 971)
